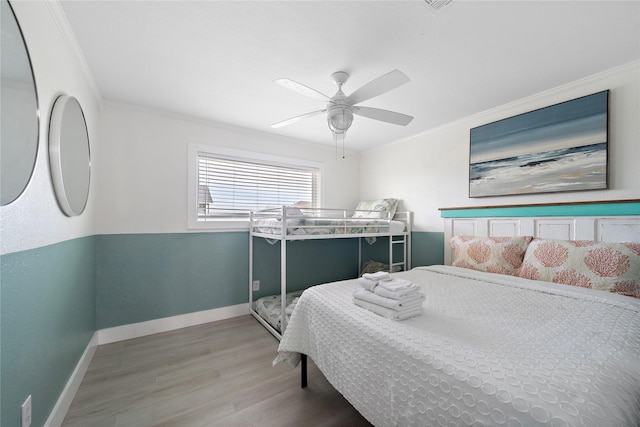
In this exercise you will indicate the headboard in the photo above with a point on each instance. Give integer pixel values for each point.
(597, 228)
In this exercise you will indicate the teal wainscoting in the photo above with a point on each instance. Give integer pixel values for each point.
(48, 312)
(309, 262)
(427, 248)
(143, 277)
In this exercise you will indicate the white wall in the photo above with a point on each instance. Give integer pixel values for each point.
(34, 219)
(431, 170)
(143, 185)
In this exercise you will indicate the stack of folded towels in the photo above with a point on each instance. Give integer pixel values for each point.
(393, 298)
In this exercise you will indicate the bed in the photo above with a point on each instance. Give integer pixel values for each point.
(367, 222)
(491, 348)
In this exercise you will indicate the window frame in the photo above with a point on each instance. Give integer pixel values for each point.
(235, 224)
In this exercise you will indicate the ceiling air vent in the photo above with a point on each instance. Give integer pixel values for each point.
(437, 4)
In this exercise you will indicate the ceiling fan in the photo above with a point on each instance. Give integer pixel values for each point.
(341, 108)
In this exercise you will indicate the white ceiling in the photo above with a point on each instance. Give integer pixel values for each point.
(217, 60)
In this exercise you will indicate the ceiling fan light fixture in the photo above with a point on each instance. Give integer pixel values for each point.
(339, 118)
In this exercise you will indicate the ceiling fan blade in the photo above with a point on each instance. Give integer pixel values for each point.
(297, 118)
(300, 88)
(383, 115)
(376, 87)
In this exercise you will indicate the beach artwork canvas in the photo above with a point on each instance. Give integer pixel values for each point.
(558, 148)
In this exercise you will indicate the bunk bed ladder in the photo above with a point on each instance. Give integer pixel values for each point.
(399, 240)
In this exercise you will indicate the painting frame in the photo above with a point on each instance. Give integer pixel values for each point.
(559, 148)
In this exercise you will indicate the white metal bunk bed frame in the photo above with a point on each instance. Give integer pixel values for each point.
(342, 218)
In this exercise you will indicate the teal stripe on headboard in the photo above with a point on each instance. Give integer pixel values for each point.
(582, 209)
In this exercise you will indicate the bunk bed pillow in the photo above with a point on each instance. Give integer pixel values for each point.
(292, 212)
(502, 255)
(378, 207)
(613, 267)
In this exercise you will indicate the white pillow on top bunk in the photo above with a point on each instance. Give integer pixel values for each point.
(378, 208)
(293, 212)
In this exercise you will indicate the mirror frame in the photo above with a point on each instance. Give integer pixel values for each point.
(25, 182)
(69, 155)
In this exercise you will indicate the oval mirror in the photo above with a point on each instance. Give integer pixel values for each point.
(69, 155)
(19, 120)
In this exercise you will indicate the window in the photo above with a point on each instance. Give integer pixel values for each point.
(231, 183)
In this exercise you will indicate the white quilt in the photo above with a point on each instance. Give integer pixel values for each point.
(489, 350)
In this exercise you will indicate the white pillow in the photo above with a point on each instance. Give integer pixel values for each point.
(378, 208)
(292, 212)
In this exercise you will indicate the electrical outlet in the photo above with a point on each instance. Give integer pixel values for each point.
(256, 285)
(26, 412)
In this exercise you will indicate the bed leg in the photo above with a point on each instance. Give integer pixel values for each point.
(303, 370)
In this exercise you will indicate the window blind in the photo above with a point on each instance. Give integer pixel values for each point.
(232, 188)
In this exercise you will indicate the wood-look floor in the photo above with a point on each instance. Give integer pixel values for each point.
(217, 374)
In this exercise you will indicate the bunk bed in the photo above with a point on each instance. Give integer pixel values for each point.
(290, 223)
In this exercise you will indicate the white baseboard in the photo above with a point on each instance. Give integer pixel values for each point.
(56, 417)
(135, 330)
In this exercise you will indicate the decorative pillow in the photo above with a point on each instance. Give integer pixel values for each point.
(380, 208)
(502, 255)
(613, 267)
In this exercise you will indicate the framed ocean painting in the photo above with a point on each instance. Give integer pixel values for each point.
(563, 147)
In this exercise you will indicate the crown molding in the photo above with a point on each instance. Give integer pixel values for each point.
(61, 21)
(522, 104)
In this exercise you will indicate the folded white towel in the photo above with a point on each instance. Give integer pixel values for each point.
(393, 304)
(413, 305)
(377, 276)
(397, 284)
(369, 296)
(411, 313)
(367, 284)
(401, 295)
(387, 312)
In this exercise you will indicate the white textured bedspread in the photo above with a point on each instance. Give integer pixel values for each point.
(489, 350)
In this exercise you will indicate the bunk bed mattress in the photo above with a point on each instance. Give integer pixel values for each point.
(303, 226)
(270, 308)
(489, 350)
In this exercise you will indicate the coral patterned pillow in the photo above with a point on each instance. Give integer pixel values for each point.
(502, 255)
(613, 267)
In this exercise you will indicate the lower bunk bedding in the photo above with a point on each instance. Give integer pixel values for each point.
(270, 308)
(489, 350)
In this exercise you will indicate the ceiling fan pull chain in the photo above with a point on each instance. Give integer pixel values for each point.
(344, 134)
(337, 137)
